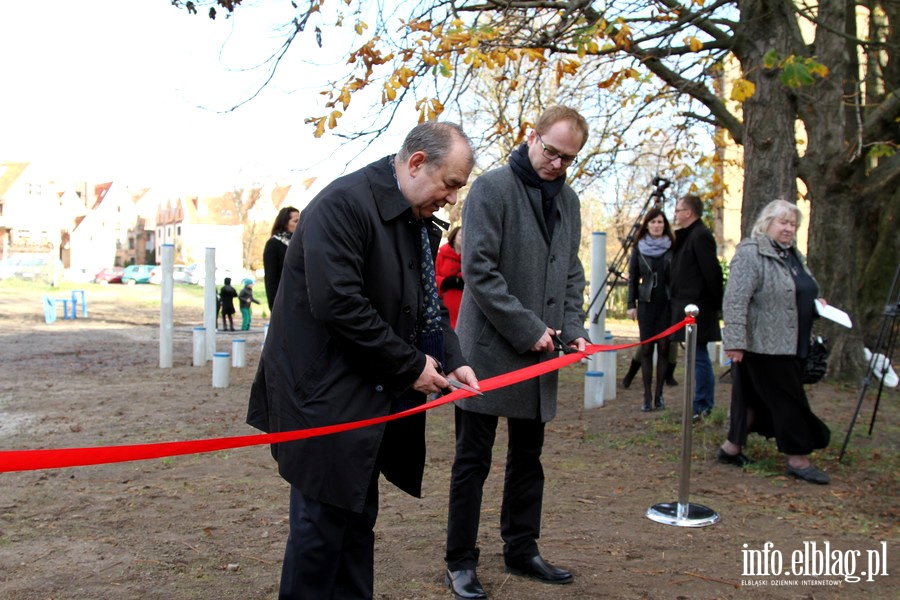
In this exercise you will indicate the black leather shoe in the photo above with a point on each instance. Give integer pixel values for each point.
(810, 474)
(659, 403)
(464, 584)
(537, 568)
(739, 460)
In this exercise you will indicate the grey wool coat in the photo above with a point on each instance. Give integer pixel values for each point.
(519, 281)
(760, 307)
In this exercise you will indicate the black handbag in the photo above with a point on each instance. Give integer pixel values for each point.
(816, 362)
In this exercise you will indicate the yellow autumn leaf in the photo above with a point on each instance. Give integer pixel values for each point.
(420, 25)
(360, 27)
(344, 97)
(742, 90)
(819, 69)
(320, 127)
(695, 44)
(333, 117)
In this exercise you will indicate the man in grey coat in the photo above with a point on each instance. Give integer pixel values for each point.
(524, 287)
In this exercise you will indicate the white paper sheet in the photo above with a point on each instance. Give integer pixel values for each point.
(833, 314)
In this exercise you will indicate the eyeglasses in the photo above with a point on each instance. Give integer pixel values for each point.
(551, 154)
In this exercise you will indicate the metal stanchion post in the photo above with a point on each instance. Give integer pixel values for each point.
(683, 513)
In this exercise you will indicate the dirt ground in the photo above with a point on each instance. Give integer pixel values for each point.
(213, 526)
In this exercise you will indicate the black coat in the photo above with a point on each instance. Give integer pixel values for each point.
(341, 341)
(697, 279)
(273, 262)
(226, 296)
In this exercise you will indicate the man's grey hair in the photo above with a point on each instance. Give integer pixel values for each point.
(434, 139)
(771, 211)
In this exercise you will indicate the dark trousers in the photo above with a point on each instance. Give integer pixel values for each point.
(523, 488)
(330, 551)
(769, 388)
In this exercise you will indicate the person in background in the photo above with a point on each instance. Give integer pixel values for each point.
(648, 300)
(524, 301)
(357, 333)
(448, 269)
(696, 278)
(635, 365)
(275, 249)
(769, 310)
(226, 298)
(245, 297)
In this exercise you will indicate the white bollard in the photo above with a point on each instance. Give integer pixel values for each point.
(221, 366)
(593, 385)
(199, 346)
(166, 307)
(594, 375)
(609, 369)
(209, 303)
(238, 353)
(723, 358)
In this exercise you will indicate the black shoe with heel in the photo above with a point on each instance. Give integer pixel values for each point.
(738, 460)
(464, 584)
(537, 568)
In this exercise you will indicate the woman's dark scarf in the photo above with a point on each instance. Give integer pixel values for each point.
(521, 166)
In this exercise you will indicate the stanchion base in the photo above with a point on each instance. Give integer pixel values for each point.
(695, 515)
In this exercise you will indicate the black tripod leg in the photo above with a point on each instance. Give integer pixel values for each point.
(888, 360)
(888, 330)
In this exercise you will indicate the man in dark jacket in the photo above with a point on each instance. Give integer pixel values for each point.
(697, 279)
(354, 335)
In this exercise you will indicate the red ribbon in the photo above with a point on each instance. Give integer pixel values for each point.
(32, 460)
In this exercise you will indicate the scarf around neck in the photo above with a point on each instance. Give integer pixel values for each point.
(654, 247)
(521, 166)
(283, 236)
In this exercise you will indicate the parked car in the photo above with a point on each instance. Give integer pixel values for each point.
(33, 267)
(179, 274)
(109, 275)
(137, 274)
(196, 274)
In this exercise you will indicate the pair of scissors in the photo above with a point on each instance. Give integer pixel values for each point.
(559, 346)
(454, 383)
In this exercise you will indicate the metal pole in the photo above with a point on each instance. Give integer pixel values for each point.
(683, 513)
(166, 310)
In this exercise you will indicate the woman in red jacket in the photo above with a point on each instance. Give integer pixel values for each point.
(448, 272)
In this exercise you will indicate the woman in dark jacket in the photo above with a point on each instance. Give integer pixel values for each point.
(276, 248)
(769, 309)
(648, 299)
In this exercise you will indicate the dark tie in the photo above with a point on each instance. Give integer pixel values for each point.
(431, 338)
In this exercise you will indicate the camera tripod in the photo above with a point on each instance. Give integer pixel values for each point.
(884, 345)
(618, 265)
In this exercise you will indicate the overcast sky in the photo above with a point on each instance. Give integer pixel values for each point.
(133, 90)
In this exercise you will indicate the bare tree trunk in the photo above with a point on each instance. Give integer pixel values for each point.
(834, 175)
(770, 146)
